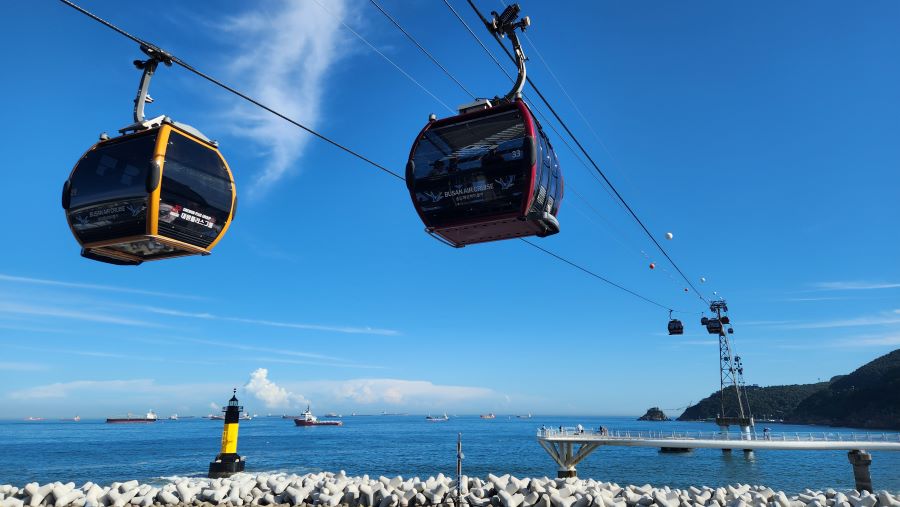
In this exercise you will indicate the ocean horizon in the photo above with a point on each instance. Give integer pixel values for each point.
(391, 445)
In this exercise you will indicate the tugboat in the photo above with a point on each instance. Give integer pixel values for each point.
(307, 419)
(488, 416)
(149, 418)
(437, 419)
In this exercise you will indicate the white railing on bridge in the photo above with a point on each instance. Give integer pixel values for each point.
(783, 436)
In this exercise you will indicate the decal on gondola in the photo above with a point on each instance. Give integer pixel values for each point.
(108, 214)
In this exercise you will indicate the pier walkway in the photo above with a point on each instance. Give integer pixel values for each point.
(570, 446)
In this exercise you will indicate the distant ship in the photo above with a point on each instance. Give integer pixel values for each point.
(149, 418)
(72, 419)
(488, 416)
(437, 419)
(173, 417)
(220, 417)
(332, 415)
(526, 416)
(34, 418)
(307, 419)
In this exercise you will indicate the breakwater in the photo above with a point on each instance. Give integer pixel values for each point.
(328, 489)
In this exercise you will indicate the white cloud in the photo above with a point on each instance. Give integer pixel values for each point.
(284, 55)
(271, 394)
(855, 285)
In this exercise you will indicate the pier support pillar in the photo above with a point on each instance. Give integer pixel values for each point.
(566, 455)
(861, 461)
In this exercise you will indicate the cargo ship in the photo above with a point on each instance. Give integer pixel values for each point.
(149, 418)
(488, 416)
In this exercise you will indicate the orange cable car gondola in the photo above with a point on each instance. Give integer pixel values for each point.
(488, 173)
(158, 191)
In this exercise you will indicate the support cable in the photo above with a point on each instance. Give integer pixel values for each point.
(428, 54)
(174, 59)
(189, 68)
(373, 48)
(590, 159)
(595, 275)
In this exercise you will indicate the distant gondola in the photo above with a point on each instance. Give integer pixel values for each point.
(675, 327)
(161, 190)
(488, 173)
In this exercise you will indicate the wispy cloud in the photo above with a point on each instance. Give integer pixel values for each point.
(892, 340)
(698, 342)
(881, 319)
(271, 323)
(284, 54)
(63, 313)
(86, 286)
(318, 363)
(855, 285)
(109, 355)
(814, 299)
(130, 390)
(13, 366)
(65, 389)
(254, 348)
(379, 391)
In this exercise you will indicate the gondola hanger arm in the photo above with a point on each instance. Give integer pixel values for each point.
(505, 25)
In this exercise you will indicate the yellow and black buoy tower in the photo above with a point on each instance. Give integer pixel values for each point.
(228, 462)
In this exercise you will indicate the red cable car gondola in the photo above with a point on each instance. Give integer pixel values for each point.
(488, 173)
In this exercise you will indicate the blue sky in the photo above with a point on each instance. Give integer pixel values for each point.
(764, 137)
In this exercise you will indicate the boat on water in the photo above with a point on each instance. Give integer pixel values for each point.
(173, 417)
(441, 418)
(488, 416)
(526, 416)
(149, 418)
(307, 419)
(34, 418)
(72, 419)
(245, 417)
(332, 415)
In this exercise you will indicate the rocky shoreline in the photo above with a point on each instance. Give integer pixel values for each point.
(332, 490)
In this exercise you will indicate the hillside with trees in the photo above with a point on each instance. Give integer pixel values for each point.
(867, 398)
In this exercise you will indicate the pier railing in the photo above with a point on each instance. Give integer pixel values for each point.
(783, 436)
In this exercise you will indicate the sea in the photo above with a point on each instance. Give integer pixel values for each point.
(408, 445)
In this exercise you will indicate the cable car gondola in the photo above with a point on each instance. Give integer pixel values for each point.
(488, 173)
(675, 325)
(160, 190)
